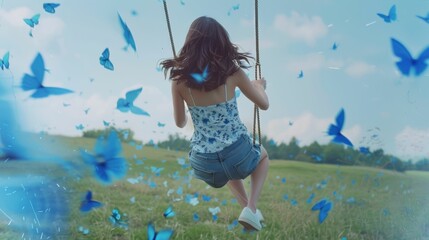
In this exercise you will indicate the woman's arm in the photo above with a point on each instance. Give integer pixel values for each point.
(178, 106)
(253, 90)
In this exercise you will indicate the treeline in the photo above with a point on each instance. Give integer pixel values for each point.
(125, 135)
(331, 153)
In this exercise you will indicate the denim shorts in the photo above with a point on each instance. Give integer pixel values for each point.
(236, 161)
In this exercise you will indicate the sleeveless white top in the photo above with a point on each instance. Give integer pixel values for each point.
(216, 126)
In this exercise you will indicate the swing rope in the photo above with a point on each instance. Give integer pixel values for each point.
(256, 119)
(169, 28)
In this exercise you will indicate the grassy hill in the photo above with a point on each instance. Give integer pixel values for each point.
(368, 203)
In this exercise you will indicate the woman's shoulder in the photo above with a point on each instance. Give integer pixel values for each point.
(237, 76)
(179, 86)
(238, 73)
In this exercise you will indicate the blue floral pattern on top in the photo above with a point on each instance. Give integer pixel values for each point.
(216, 126)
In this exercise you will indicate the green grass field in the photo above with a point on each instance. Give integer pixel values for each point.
(368, 203)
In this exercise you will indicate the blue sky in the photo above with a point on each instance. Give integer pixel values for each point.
(383, 108)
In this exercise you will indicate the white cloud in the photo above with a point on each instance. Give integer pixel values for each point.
(307, 128)
(245, 22)
(359, 69)
(47, 34)
(301, 27)
(248, 45)
(50, 115)
(412, 143)
(49, 31)
(309, 62)
(15, 16)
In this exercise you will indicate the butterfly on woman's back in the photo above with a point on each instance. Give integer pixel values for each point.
(201, 77)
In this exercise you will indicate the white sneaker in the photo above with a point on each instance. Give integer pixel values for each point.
(250, 220)
(259, 214)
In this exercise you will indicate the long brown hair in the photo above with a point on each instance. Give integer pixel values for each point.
(207, 45)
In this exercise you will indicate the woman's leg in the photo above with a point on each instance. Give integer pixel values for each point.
(237, 188)
(257, 179)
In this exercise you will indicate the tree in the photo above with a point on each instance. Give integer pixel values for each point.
(335, 154)
(292, 149)
(175, 142)
(315, 151)
(422, 165)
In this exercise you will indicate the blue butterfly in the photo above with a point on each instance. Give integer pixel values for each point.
(88, 204)
(179, 191)
(426, 19)
(79, 127)
(206, 198)
(301, 74)
(4, 63)
(106, 161)
(169, 213)
(364, 150)
(50, 7)
(201, 77)
(125, 134)
(324, 206)
(34, 82)
(105, 59)
(182, 2)
(84, 231)
(196, 217)
(32, 21)
(118, 219)
(106, 124)
(232, 225)
(391, 17)
(335, 130)
(86, 110)
(161, 124)
(334, 46)
(156, 170)
(116, 216)
(233, 8)
(237, 93)
(127, 104)
(310, 198)
(161, 235)
(407, 61)
(127, 34)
